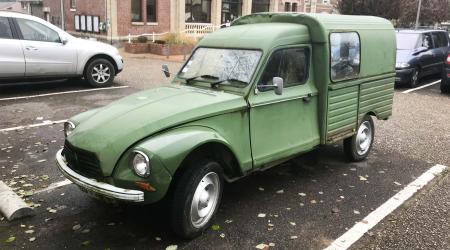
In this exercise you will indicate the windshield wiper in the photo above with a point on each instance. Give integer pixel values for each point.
(188, 80)
(214, 84)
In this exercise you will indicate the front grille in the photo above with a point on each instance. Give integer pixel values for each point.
(81, 161)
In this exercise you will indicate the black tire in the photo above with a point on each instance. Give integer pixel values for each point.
(414, 81)
(181, 211)
(105, 73)
(352, 149)
(445, 85)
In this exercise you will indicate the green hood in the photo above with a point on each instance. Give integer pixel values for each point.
(113, 129)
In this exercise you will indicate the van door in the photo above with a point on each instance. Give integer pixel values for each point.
(283, 125)
(12, 62)
(45, 54)
(438, 52)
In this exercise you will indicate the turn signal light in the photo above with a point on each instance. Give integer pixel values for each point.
(145, 186)
(448, 60)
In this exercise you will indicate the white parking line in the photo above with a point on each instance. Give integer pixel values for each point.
(62, 93)
(421, 87)
(360, 228)
(44, 123)
(54, 185)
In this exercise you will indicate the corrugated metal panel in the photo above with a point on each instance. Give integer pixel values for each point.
(377, 97)
(342, 111)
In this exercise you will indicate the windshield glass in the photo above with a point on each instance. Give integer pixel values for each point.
(407, 41)
(237, 65)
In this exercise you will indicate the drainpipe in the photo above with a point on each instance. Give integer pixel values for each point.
(63, 23)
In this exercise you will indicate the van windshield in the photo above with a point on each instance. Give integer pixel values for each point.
(233, 66)
(407, 41)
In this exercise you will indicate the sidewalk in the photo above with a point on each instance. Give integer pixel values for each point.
(178, 58)
(423, 222)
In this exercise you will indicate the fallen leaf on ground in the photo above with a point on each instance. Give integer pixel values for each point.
(313, 201)
(10, 239)
(356, 212)
(86, 243)
(262, 246)
(335, 210)
(261, 189)
(85, 231)
(397, 183)
(271, 244)
(294, 237)
(362, 178)
(215, 227)
(261, 215)
(32, 239)
(157, 238)
(228, 221)
(292, 223)
(222, 235)
(280, 191)
(76, 227)
(172, 247)
(29, 231)
(302, 194)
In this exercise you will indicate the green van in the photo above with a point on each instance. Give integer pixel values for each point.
(252, 95)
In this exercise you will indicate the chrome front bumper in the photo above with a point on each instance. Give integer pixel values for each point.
(95, 187)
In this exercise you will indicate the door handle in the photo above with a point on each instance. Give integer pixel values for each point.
(307, 97)
(31, 48)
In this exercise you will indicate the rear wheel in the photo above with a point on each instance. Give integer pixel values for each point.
(445, 85)
(196, 198)
(358, 147)
(100, 73)
(414, 78)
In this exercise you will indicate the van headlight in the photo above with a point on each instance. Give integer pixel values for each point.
(402, 65)
(140, 164)
(68, 128)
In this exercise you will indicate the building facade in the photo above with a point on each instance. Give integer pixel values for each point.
(116, 19)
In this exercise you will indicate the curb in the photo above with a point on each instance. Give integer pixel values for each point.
(11, 205)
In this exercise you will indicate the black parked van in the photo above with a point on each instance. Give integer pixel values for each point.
(420, 53)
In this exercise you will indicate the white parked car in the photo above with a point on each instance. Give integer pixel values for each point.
(31, 48)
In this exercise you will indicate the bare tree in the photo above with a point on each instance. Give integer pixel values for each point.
(384, 8)
(431, 12)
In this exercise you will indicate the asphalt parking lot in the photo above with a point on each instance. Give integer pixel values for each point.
(306, 203)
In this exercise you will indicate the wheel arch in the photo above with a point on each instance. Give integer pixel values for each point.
(100, 56)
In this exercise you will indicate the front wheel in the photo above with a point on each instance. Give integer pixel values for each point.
(414, 78)
(100, 73)
(196, 198)
(358, 147)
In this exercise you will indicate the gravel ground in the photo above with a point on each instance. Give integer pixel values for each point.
(422, 223)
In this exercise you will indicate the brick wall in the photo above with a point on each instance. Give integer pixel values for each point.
(55, 11)
(124, 18)
(84, 7)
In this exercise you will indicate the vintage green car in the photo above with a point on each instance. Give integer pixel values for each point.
(252, 95)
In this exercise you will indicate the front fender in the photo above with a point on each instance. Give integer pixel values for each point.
(172, 147)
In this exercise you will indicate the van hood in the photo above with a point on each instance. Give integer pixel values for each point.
(404, 55)
(111, 130)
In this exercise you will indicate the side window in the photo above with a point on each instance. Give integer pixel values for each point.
(437, 42)
(5, 29)
(290, 64)
(426, 41)
(35, 31)
(345, 55)
(443, 37)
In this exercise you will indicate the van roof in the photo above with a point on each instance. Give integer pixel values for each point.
(262, 36)
(320, 25)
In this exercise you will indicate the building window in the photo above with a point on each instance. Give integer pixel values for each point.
(326, 1)
(136, 10)
(345, 55)
(73, 4)
(260, 6)
(198, 11)
(231, 9)
(294, 7)
(151, 11)
(287, 6)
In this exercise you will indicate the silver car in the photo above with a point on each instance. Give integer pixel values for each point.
(31, 48)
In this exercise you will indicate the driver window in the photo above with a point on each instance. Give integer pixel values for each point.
(290, 64)
(426, 42)
(34, 31)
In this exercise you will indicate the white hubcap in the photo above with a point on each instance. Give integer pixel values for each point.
(364, 138)
(205, 199)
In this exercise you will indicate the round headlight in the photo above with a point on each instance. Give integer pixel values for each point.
(68, 128)
(141, 164)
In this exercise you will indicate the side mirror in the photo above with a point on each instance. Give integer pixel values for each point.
(278, 83)
(165, 70)
(64, 40)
